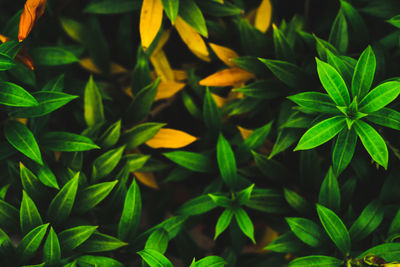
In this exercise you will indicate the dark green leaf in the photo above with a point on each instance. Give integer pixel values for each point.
(140, 134)
(112, 6)
(28, 214)
(193, 161)
(8, 216)
(89, 261)
(51, 248)
(105, 164)
(211, 114)
(63, 141)
(329, 195)
(316, 261)
(223, 222)
(92, 195)
(315, 101)
(30, 243)
(131, 213)
(388, 251)
(226, 162)
(158, 240)
(198, 205)
(369, 219)
(99, 242)
(93, 105)
(73, 237)
(15, 96)
(52, 56)
(245, 224)
(307, 231)
(339, 35)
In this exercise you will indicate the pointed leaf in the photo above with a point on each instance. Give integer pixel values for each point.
(170, 138)
(223, 222)
(99, 242)
(92, 195)
(151, 16)
(316, 261)
(171, 8)
(193, 161)
(154, 258)
(363, 73)
(379, 97)
(369, 219)
(226, 162)
(51, 248)
(93, 105)
(63, 141)
(73, 237)
(29, 214)
(105, 164)
(343, 150)
(15, 96)
(30, 243)
(307, 231)
(329, 194)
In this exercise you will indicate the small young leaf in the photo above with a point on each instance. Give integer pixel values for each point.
(61, 205)
(335, 228)
(131, 213)
(364, 73)
(22, 139)
(223, 222)
(226, 162)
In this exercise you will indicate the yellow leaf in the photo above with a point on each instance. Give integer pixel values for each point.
(33, 10)
(150, 21)
(219, 100)
(57, 155)
(128, 91)
(22, 120)
(167, 89)
(268, 236)
(263, 16)
(163, 40)
(244, 132)
(147, 178)
(162, 66)
(225, 54)
(180, 75)
(88, 64)
(227, 77)
(170, 138)
(192, 39)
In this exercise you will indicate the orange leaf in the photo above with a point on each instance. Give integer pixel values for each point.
(22, 120)
(227, 77)
(244, 132)
(147, 178)
(88, 64)
(170, 138)
(225, 54)
(167, 89)
(263, 16)
(162, 66)
(33, 10)
(150, 21)
(219, 100)
(22, 55)
(180, 75)
(192, 39)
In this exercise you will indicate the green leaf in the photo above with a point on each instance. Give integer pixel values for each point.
(154, 258)
(30, 183)
(211, 114)
(140, 134)
(73, 237)
(221, 200)
(191, 13)
(373, 142)
(46, 176)
(52, 56)
(339, 35)
(97, 44)
(285, 243)
(264, 89)
(345, 71)
(99, 242)
(141, 73)
(386, 117)
(216, 8)
(323, 46)
(343, 150)
(22, 139)
(316, 261)
(51, 248)
(92, 195)
(355, 21)
(8, 216)
(369, 219)
(106, 163)
(379, 97)
(363, 73)
(28, 214)
(226, 162)
(211, 261)
(335, 228)
(283, 50)
(130, 218)
(193, 161)
(61, 205)
(198, 205)
(136, 161)
(245, 224)
(171, 8)
(395, 21)
(48, 102)
(106, 7)
(321, 133)
(329, 195)
(223, 222)
(30, 243)
(111, 136)
(90, 261)
(296, 201)
(333, 83)
(271, 168)
(93, 105)
(141, 104)
(307, 231)
(6, 62)
(73, 28)
(69, 142)
(15, 96)
(286, 138)
(315, 101)
(158, 240)
(243, 196)
(388, 251)
(288, 73)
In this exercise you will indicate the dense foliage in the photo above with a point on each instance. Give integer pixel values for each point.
(199, 133)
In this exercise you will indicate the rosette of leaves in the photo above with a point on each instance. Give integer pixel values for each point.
(344, 111)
